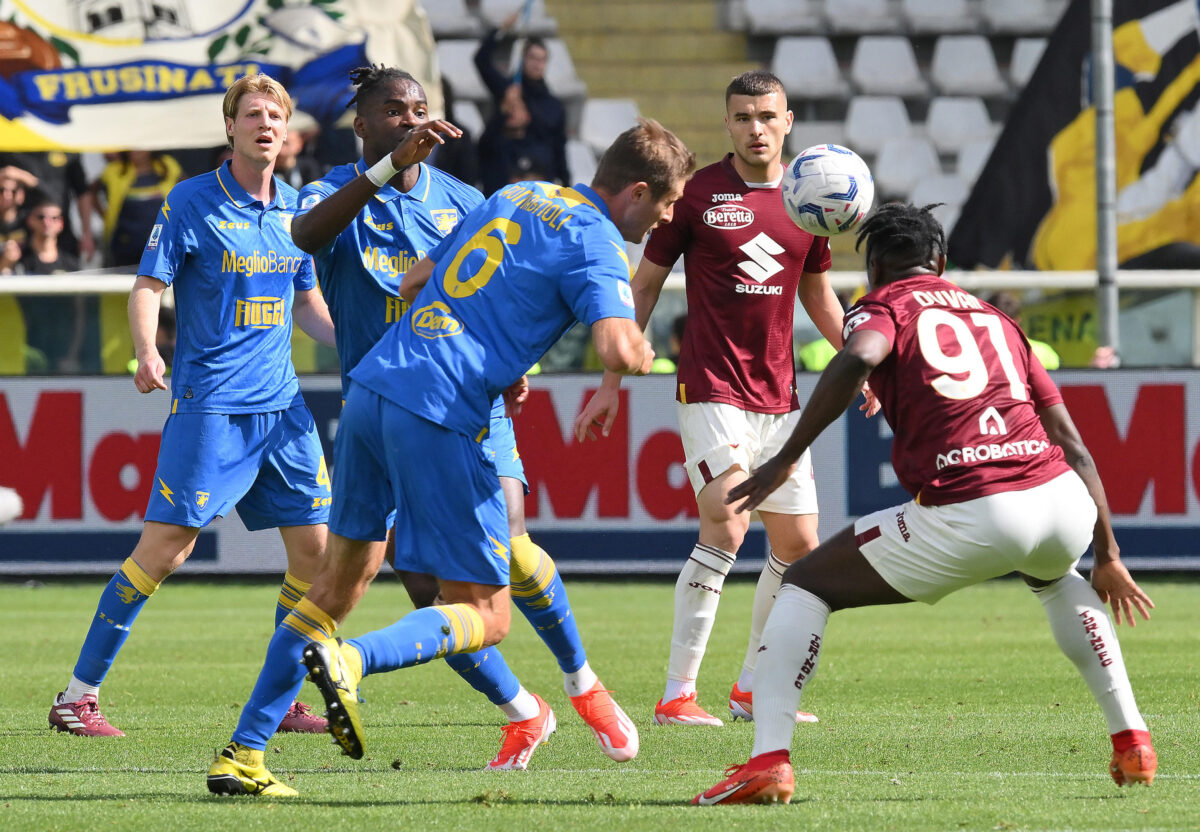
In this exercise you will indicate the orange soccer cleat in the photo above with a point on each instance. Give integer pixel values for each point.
(684, 711)
(614, 730)
(1134, 759)
(766, 778)
(741, 706)
(522, 738)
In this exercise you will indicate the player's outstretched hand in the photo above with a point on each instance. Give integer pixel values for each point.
(421, 141)
(871, 404)
(1116, 587)
(515, 396)
(599, 412)
(765, 479)
(149, 375)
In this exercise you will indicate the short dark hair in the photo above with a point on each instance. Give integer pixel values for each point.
(532, 41)
(756, 82)
(647, 153)
(368, 79)
(902, 235)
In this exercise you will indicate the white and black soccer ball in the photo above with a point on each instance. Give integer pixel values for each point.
(827, 190)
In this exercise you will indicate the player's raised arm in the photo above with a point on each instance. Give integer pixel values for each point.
(1110, 578)
(144, 302)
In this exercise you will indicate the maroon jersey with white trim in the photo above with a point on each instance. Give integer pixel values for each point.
(742, 259)
(961, 389)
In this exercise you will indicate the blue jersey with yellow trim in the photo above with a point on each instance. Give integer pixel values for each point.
(360, 269)
(510, 280)
(235, 270)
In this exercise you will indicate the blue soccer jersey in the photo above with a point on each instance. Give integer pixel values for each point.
(235, 270)
(510, 280)
(361, 268)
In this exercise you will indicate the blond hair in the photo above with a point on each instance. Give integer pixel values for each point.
(647, 153)
(260, 83)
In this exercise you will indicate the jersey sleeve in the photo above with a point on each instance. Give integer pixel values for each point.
(310, 195)
(870, 316)
(171, 240)
(668, 242)
(819, 258)
(596, 284)
(306, 276)
(1042, 391)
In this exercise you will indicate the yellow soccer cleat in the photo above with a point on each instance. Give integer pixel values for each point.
(240, 770)
(337, 679)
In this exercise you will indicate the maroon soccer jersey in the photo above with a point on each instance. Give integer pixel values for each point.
(961, 390)
(742, 260)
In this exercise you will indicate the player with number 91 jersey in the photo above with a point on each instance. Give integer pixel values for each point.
(961, 390)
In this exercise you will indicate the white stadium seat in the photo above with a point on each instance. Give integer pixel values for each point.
(805, 134)
(808, 68)
(1021, 16)
(857, 16)
(939, 16)
(457, 61)
(872, 120)
(452, 19)
(955, 122)
(945, 187)
(972, 158)
(783, 17)
(965, 65)
(606, 118)
(561, 76)
(468, 117)
(540, 23)
(581, 160)
(1026, 54)
(902, 163)
(886, 65)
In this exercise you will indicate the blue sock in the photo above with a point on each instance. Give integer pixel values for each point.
(538, 592)
(282, 674)
(120, 603)
(421, 636)
(488, 673)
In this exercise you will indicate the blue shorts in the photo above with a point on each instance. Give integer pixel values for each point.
(268, 465)
(501, 445)
(451, 520)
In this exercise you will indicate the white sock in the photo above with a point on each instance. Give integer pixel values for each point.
(521, 707)
(791, 642)
(697, 594)
(1086, 636)
(581, 681)
(76, 690)
(764, 599)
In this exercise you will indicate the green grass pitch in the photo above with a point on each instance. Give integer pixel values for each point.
(960, 716)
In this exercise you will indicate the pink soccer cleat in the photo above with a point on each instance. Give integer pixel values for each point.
(82, 718)
(300, 719)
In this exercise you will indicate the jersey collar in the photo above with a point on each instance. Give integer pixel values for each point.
(419, 192)
(591, 198)
(238, 195)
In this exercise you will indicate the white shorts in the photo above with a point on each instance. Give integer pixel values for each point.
(717, 437)
(927, 552)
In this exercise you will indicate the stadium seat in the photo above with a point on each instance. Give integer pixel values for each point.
(1035, 17)
(955, 122)
(457, 60)
(887, 65)
(965, 65)
(540, 23)
(972, 157)
(606, 118)
(452, 19)
(581, 161)
(872, 120)
(468, 117)
(561, 76)
(902, 163)
(945, 187)
(808, 68)
(857, 16)
(1027, 52)
(939, 16)
(783, 17)
(808, 133)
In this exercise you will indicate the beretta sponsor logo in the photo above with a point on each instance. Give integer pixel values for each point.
(728, 216)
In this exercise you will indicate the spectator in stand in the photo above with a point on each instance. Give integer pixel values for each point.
(527, 123)
(1010, 304)
(55, 325)
(14, 183)
(129, 192)
(669, 363)
(294, 165)
(59, 177)
(458, 158)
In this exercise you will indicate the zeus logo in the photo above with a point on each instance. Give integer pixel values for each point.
(435, 321)
(259, 313)
(230, 225)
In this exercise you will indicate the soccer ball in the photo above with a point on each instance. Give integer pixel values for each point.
(827, 189)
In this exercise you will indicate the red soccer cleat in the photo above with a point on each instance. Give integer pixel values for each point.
(300, 719)
(684, 711)
(522, 738)
(614, 730)
(741, 706)
(82, 718)
(1134, 759)
(766, 778)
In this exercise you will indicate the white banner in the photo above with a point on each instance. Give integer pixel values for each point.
(82, 453)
